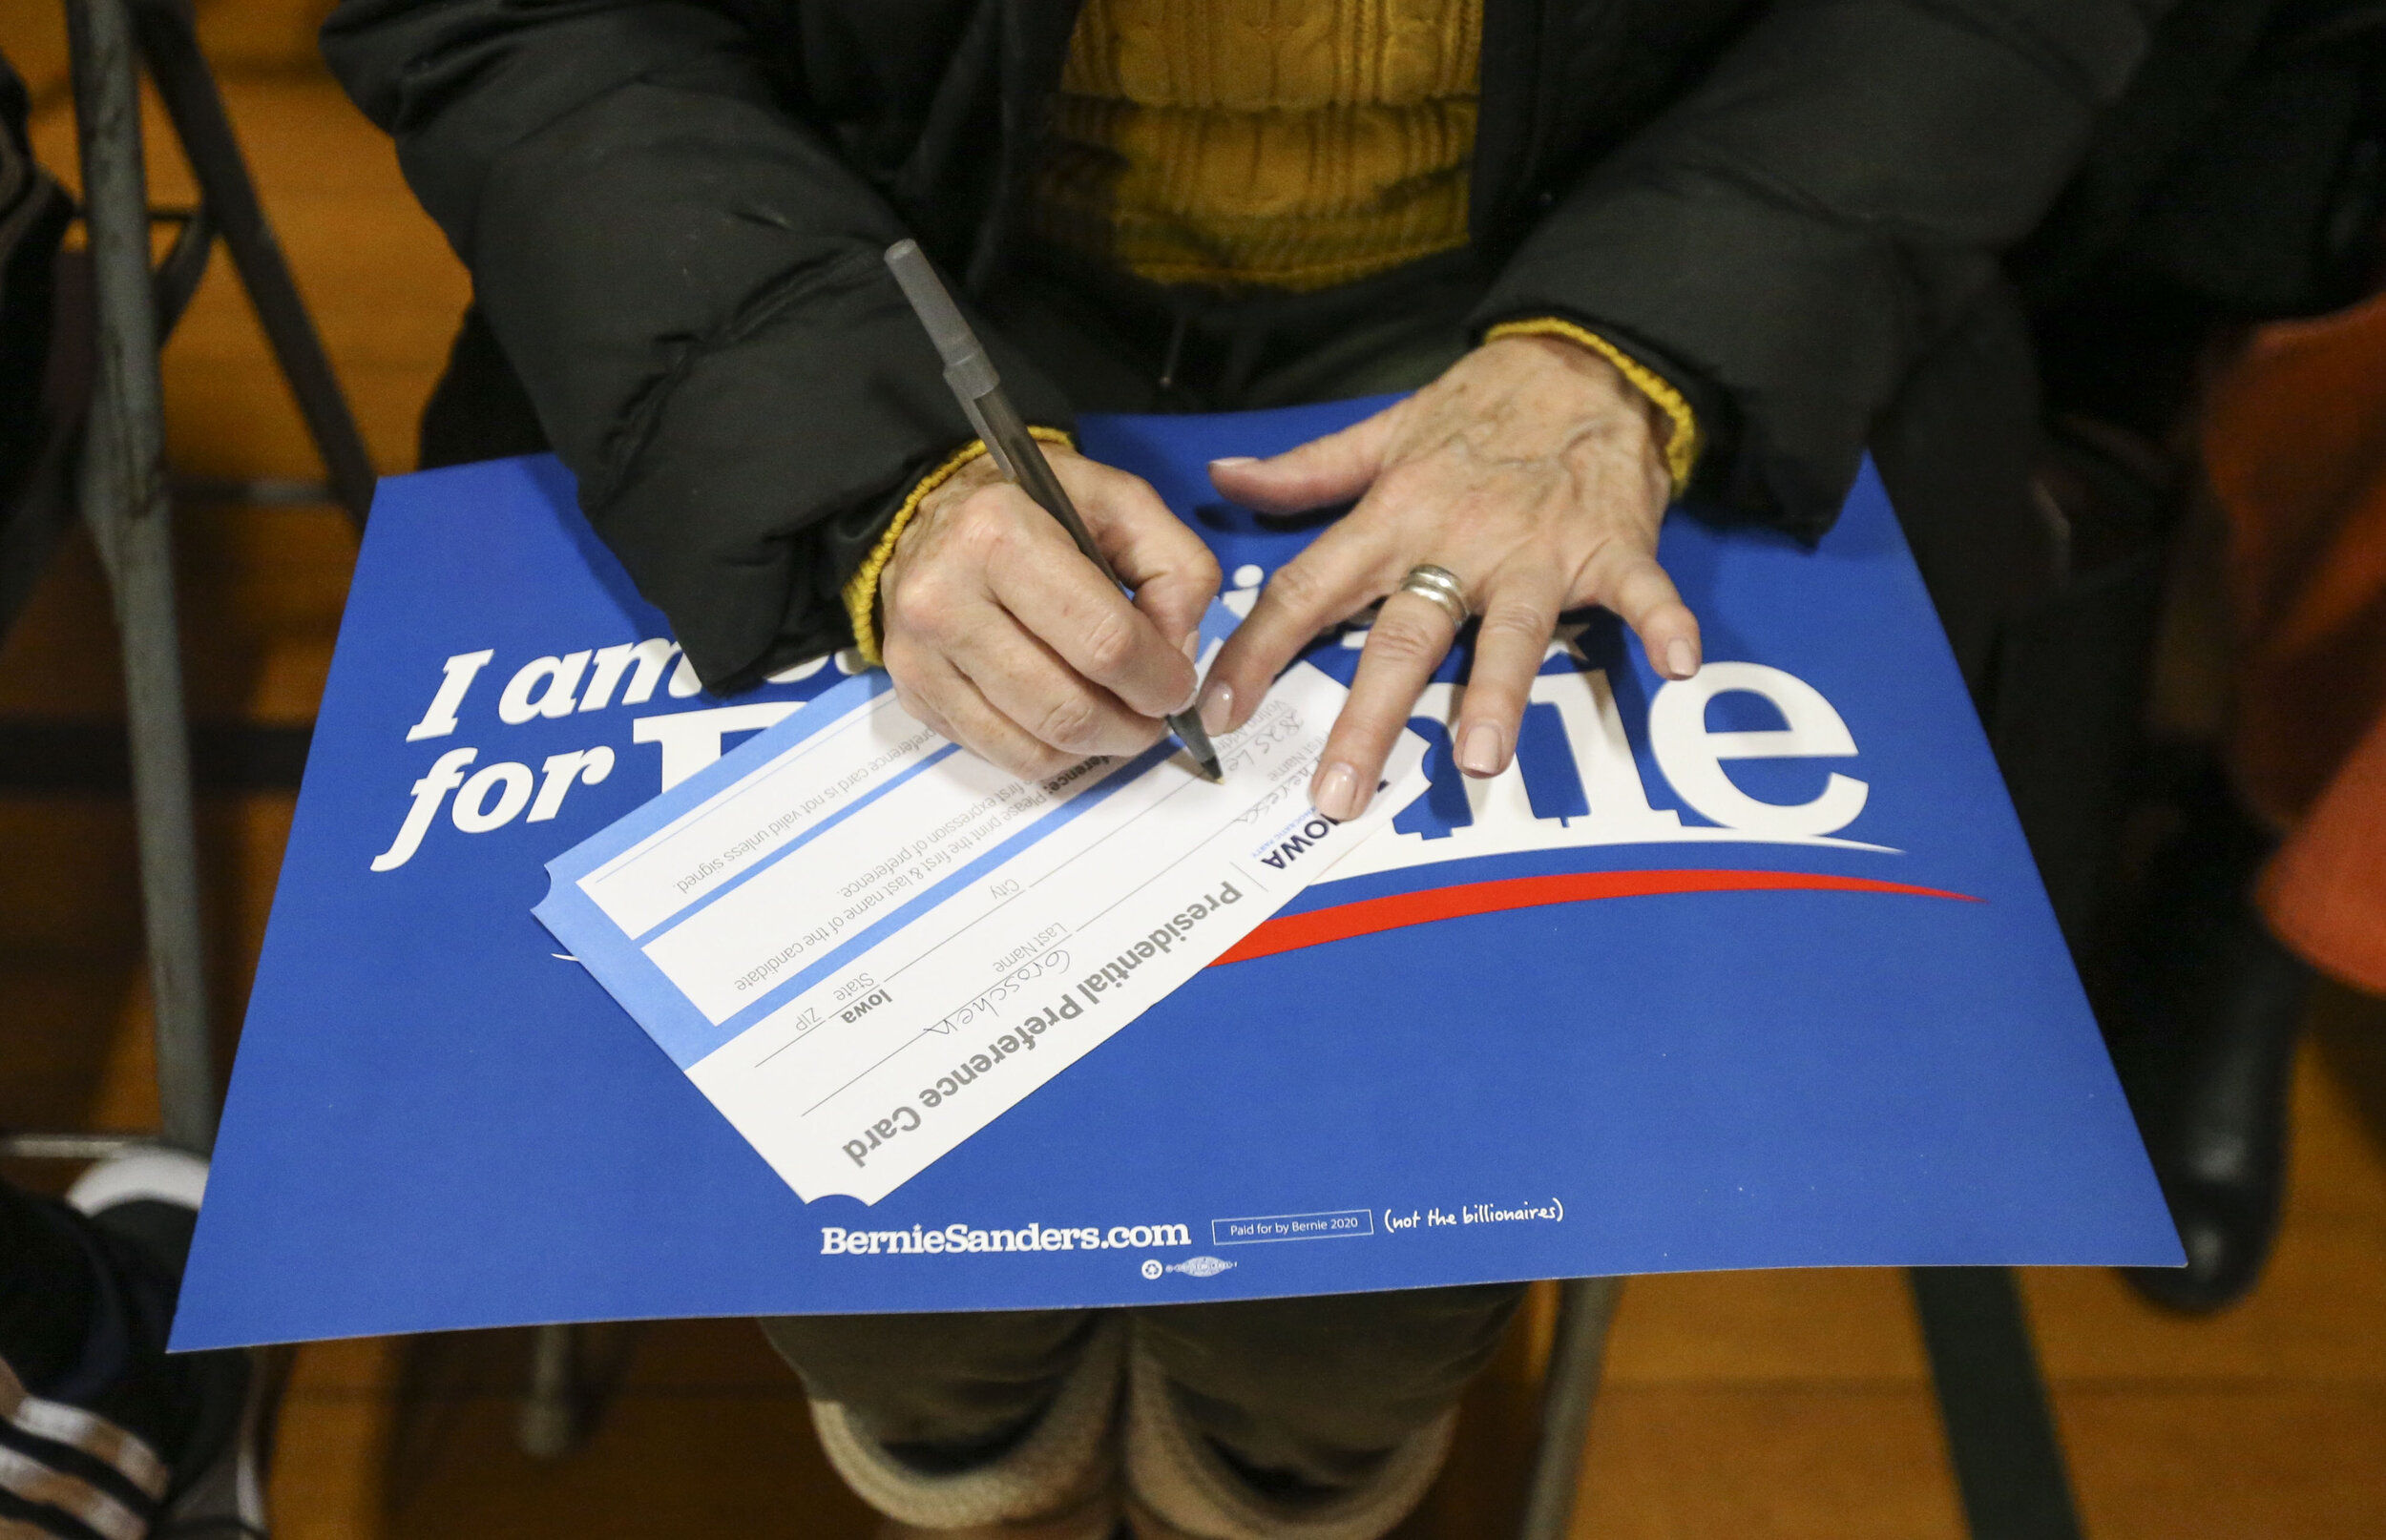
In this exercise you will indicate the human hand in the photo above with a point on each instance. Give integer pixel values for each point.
(1533, 470)
(1002, 637)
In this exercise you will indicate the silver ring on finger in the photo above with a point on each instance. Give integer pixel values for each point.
(1440, 585)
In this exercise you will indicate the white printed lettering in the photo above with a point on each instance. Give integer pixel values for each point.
(472, 812)
(439, 718)
(562, 770)
(612, 662)
(446, 774)
(691, 740)
(1692, 757)
(556, 679)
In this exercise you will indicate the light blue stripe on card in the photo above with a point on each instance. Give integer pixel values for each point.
(775, 857)
(894, 920)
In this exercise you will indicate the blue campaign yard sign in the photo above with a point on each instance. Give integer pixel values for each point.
(1749, 972)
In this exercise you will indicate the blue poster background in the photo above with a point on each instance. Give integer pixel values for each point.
(1691, 1053)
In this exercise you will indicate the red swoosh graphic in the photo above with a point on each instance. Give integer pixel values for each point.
(1290, 932)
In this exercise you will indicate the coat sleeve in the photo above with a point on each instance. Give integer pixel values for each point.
(1799, 229)
(688, 280)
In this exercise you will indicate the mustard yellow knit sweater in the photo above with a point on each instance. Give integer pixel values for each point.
(1289, 144)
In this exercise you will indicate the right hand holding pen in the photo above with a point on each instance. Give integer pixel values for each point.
(1001, 636)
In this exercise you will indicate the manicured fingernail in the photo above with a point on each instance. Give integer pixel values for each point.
(1479, 754)
(1681, 660)
(1193, 691)
(1217, 705)
(1234, 460)
(1336, 793)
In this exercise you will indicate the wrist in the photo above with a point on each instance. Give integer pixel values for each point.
(1586, 376)
(962, 479)
(1678, 435)
(967, 469)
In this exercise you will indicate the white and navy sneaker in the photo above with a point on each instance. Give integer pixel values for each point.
(129, 1442)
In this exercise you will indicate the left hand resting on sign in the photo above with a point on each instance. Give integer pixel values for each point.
(1533, 470)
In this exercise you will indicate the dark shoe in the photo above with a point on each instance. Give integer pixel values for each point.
(2206, 1010)
(207, 1417)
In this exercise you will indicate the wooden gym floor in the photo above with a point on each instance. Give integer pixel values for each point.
(1736, 1406)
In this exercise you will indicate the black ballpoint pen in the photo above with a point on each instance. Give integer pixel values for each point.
(972, 375)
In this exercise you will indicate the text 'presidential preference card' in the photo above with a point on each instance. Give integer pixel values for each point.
(865, 944)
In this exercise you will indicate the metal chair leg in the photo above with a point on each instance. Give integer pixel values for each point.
(1570, 1385)
(548, 1426)
(80, 1148)
(170, 42)
(123, 487)
(2000, 1431)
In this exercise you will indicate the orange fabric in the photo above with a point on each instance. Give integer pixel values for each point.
(2295, 450)
(2325, 893)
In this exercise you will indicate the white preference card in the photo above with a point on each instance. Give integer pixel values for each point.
(864, 944)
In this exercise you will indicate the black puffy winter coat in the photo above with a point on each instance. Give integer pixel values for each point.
(674, 212)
